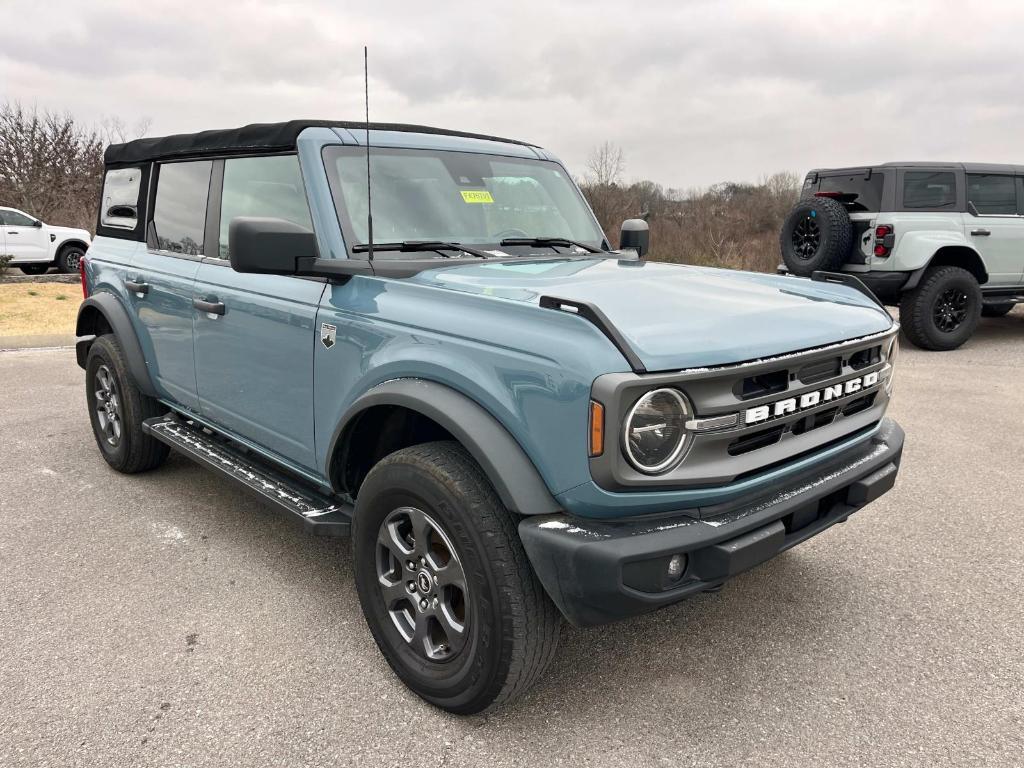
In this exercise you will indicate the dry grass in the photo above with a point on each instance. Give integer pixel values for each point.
(38, 308)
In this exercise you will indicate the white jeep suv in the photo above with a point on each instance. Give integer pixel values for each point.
(34, 246)
(943, 241)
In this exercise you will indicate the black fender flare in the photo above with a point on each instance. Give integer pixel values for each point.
(511, 472)
(116, 316)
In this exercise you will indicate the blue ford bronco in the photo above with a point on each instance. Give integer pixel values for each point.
(422, 339)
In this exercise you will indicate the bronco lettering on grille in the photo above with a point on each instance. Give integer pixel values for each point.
(809, 399)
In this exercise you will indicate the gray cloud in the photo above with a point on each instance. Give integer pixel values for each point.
(694, 92)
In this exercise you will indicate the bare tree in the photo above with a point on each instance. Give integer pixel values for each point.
(51, 165)
(606, 164)
(725, 225)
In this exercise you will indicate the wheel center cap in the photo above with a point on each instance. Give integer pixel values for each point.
(424, 582)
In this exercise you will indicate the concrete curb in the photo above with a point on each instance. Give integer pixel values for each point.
(35, 341)
(10, 279)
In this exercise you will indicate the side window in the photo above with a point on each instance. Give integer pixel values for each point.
(119, 206)
(262, 186)
(16, 219)
(929, 189)
(992, 194)
(179, 216)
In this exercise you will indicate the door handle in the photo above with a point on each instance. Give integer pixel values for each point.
(210, 307)
(980, 232)
(140, 288)
(12, 232)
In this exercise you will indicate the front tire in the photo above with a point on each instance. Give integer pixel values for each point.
(942, 312)
(444, 583)
(69, 258)
(117, 409)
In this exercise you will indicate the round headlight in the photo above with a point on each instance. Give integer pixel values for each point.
(654, 433)
(891, 355)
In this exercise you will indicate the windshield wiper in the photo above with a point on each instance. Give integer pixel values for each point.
(549, 242)
(411, 246)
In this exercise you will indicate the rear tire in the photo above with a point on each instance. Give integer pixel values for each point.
(34, 269)
(117, 409)
(997, 310)
(817, 234)
(942, 312)
(509, 625)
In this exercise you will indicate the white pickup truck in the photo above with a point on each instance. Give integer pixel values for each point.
(34, 246)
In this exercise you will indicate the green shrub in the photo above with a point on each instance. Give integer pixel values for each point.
(5, 259)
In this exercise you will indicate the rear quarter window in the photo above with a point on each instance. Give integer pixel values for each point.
(119, 204)
(929, 190)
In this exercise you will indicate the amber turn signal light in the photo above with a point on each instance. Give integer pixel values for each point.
(596, 428)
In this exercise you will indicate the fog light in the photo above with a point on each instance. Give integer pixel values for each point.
(676, 566)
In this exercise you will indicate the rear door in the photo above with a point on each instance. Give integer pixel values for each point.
(160, 278)
(998, 232)
(254, 352)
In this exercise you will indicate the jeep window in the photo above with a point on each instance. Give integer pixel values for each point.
(262, 186)
(461, 197)
(179, 216)
(852, 190)
(992, 194)
(16, 219)
(929, 189)
(119, 207)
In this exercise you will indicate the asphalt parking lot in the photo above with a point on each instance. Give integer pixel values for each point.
(164, 619)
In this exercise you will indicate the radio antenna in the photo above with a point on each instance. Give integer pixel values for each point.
(369, 208)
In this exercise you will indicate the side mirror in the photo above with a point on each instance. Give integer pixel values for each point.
(37, 224)
(972, 209)
(635, 235)
(268, 246)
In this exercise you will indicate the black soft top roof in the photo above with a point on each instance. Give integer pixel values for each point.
(258, 137)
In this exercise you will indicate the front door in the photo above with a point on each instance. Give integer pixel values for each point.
(998, 232)
(255, 334)
(159, 282)
(26, 239)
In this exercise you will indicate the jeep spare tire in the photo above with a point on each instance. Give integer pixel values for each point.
(816, 235)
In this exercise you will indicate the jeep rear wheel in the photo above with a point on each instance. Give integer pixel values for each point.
(117, 409)
(816, 235)
(444, 583)
(942, 312)
(997, 310)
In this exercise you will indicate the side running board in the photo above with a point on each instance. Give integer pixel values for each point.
(319, 513)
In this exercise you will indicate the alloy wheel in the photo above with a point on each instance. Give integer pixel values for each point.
(108, 406)
(73, 260)
(423, 584)
(950, 309)
(806, 238)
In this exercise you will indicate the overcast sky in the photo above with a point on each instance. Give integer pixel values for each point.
(693, 92)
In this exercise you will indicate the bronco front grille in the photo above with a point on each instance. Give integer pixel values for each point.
(752, 416)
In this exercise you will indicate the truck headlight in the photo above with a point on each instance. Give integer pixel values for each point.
(654, 433)
(890, 357)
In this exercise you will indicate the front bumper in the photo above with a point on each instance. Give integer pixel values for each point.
(598, 572)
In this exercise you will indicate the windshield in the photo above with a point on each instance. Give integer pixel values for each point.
(456, 197)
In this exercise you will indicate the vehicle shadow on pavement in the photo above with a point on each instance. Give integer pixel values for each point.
(701, 646)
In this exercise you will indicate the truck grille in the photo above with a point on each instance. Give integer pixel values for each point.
(754, 416)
